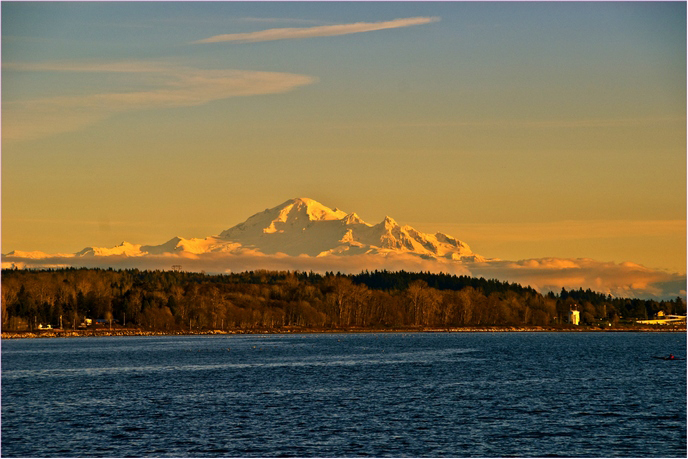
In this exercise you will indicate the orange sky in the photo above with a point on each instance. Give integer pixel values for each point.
(527, 129)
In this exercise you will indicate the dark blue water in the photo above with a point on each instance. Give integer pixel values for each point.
(400, 395)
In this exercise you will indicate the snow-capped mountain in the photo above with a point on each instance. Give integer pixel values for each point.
(305, 235)
(301, 226)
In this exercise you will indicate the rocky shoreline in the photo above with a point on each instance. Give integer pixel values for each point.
(57, 333)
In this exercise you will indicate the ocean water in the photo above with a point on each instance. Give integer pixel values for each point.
(346, 395)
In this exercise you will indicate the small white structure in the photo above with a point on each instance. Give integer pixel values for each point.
(574, 317)
(663, 319)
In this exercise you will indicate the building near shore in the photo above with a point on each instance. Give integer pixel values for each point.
(574, 317)
(663, 319)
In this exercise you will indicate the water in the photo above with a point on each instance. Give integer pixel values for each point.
(345, 395)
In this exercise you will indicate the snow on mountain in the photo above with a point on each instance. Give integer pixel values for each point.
(303, 234)
(303, 226)
(290, 216)
(300, 227)
(35, 254)
(125, 248)
(191, 246)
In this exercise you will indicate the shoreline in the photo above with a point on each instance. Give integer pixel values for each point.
(57, 333)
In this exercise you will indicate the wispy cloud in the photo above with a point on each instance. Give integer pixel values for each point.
(176, 86)
(318, 31)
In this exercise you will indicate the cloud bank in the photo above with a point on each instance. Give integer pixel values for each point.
(543, 274)
(618, 279)
(175, 86)
(290, 33)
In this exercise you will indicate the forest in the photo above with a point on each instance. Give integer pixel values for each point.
(177, 300)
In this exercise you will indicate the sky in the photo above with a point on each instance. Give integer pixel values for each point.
(539, 129)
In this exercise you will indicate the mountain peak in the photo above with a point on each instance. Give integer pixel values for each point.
(308, 209)
(305, 226)
(125, 248)
(352, 218)
(292, 215)
(303, 201)
(389, 222)
(299, 226)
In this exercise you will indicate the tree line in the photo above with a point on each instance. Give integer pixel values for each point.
(175, 300)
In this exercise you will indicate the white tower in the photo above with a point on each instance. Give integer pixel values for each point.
(574, 317)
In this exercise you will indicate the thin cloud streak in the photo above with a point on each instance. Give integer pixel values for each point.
(183, 87)
(318, 31)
